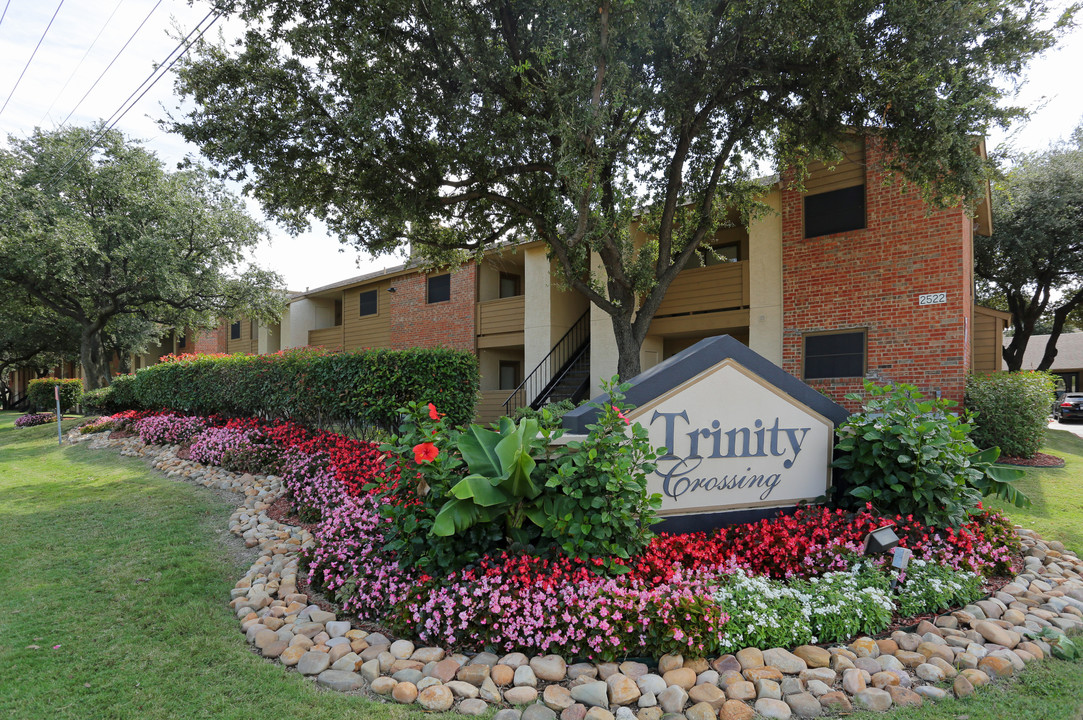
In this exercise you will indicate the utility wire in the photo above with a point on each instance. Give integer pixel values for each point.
(150, 81)
(5, 13)
(122, 49)
(81, 60)
(31, 54)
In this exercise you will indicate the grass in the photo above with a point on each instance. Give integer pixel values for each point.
(128, 572)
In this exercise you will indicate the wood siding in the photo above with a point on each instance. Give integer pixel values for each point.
(246, 343)
(987, 345)
(848, 172)
(491, 405)
(330, 338)
(370, 331)
(716, 287)
(506, 315)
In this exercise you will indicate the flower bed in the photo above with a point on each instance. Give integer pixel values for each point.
(33, 419)
(701, 593)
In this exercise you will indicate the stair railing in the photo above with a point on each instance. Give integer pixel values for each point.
(564, 350)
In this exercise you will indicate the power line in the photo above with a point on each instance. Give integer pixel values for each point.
(119, 52)
(150, 81)
(31, 55)
(5, 13)
(81, 60)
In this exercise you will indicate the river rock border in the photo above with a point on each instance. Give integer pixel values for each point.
(955, 653)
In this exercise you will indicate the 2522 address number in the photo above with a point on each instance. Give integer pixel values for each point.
(933, 298)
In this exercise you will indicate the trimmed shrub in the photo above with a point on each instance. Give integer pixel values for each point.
(343, 390)
(1011, 410)
(118, 395)
(40, 393)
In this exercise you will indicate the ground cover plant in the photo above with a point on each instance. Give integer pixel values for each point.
(441, 535)
(33, 419)
(158, 634)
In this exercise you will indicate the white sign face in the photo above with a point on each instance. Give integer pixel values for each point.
(933, 298)
(735, 441)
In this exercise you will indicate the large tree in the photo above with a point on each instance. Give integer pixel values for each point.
(31, 336)
(456, 125)
(96, 230)
(1033, 262)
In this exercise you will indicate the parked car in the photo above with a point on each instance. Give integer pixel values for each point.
(1070, 407)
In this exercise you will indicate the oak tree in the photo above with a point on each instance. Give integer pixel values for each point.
(452, 126)
(95, 229)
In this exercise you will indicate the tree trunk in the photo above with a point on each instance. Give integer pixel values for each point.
(93, 359)
(628, 347)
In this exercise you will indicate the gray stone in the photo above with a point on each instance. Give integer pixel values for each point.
(784, 660)
(409, 675)
(507, 714)
(462, 689)
(672, 699)
(473, 706)
(484, 658)
(347, 662)
(313, 663)
(428, 682)
(337, 628)
(340, 680)
(592, 694)
(933, 693)
(520, 695)
(804, 705)
(321, 616)
(550, 668)
(524, 676)
(538, 712)
(775, 709)
(371, 670)
(651, 683)
(873, 699)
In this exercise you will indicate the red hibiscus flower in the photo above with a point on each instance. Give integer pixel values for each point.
(433, 414)
(425, 452)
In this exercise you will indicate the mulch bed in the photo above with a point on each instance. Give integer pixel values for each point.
(1039, 460)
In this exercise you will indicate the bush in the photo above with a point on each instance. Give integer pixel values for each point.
(118, 395)
(40, 393)
(1011, 410)
(906, 455)
(343, 390)
(33, 419)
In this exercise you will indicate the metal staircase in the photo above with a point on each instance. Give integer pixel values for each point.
(562, 374)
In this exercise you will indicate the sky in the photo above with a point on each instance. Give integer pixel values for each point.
(96, 54)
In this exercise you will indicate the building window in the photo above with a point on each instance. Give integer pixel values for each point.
(439, 288)
(181, 342)
(369, 303)
(716, 255)
(235, 331)
(835, 355)
(509, 374)
(338, 312)
(510, 285)
(835, 211)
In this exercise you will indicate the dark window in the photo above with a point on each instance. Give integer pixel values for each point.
(510, 285)
(368, 303)
(439, 288)
(835, 355)
(835, 211)
(235, 331)
(182, 341)
(338, 313)
(509, 375)
(717, 255)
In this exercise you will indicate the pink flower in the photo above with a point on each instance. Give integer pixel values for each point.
(621, 415)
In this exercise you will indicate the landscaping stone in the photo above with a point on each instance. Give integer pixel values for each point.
(836, 702)
(473, 707)
(404, 692)
(557, 697)
(538, 712)
(550, 668)
(701, 711)
(744, 690)
(523, 676)
(512, 714)
(622, 689)
(313, 663)
(962, 687)
(383, 685)
(709, 694)
(576, 711)
(784, 660)
(651, 683)
(904, 697)
(872, 699)
(672, 699)
(520, 695)
(461, 689)
(804, 705)
(750, 658)
(597, 713)
(814, 657)
(591, 694)
(736, 710)
(775, 709)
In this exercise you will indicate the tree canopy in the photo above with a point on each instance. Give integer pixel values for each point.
(97, 234)
(453, 126)
(1033, 262)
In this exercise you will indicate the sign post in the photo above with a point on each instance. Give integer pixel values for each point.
(59, 417)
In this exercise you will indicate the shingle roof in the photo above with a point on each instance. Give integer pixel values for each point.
(1069, 351)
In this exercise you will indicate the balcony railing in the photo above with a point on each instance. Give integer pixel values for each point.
(330, 338)
(501, 316)
(703, 289)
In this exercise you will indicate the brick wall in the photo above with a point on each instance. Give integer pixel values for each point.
(208, 341)
(416, 323)
(871, 279)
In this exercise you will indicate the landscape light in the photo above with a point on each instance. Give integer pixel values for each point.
(880, 540)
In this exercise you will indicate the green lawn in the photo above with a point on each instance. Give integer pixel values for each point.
(127, 572)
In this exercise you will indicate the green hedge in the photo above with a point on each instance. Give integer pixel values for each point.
(118, 395)
(1012, 410)
(345, 389)
(40, 394)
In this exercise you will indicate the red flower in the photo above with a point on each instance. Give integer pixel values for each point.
(433, 414)
(425, 452)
